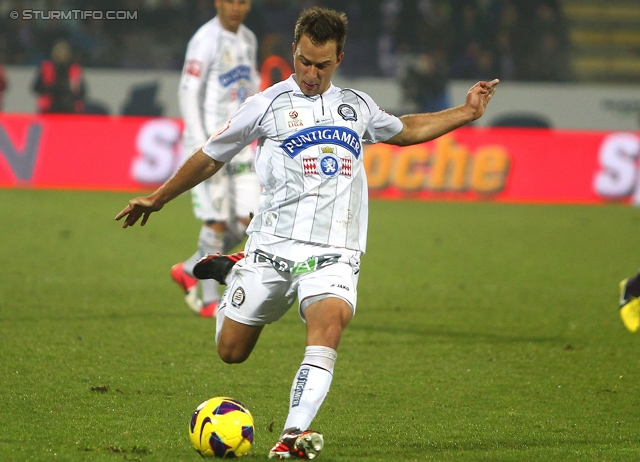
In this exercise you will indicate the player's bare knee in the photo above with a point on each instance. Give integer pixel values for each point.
(231, 355)
(236, 341)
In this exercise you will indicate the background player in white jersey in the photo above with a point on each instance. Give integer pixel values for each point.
(220, 72)
(310, 230)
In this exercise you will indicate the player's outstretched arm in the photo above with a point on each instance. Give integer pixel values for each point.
(418, 128)
(196, 169)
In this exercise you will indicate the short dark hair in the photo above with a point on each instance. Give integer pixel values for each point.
(322, 26)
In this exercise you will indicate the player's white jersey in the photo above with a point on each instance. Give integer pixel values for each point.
(309, 160)
(220, 72)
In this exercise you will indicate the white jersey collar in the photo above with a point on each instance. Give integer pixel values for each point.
(293, 85)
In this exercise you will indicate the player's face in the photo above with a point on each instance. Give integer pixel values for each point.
(314, 65)
(232, 13)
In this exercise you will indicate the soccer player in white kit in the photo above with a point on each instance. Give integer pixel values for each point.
(219, 74)
(306, 241)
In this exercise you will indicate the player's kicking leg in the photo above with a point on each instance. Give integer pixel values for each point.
(297, 444)
(216, 266)
(630, 302)
(326, 319)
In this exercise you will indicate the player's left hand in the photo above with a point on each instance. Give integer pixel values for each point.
(479, 96)
(138, 207)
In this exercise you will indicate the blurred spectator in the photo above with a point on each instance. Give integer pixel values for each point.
(26, 46)
(167, 22)
(471, 56)
(136, 50)
(362, 55)
(277, 16)
(549, 62)
(505, 65)
(468, 28)
(51, 30)
(433, 26)
(511, 39)
(388, 38)
(164, 17)
(3, 85)
(549, 44)
(274, 69)
(424, 44)
(506, 42)
(59, 83)
(473, 63)
(3, 78)
(92, 42)
(424, 83)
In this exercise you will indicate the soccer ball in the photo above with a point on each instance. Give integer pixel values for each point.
(221, 427)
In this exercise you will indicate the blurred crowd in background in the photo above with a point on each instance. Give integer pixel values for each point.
(425, 43)
(510, 39)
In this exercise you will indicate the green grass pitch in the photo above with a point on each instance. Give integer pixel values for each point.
(484, 332)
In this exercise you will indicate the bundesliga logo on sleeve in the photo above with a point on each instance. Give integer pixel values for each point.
(193, 67)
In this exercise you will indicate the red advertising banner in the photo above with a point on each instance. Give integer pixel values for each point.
(88, 152)
(496, 164)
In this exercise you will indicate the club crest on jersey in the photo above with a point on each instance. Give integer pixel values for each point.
(347, 112)
(313, 136)
(328, 165)
(237, 298)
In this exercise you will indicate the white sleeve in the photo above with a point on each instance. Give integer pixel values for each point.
(239, 131)
(382, 125)
(192, 82)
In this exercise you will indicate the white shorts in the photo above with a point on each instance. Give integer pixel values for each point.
(232, 192)
(258, 294)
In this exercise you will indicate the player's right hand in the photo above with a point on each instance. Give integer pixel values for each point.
(138, 207)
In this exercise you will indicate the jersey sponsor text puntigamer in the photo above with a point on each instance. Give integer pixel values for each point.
(309, 160)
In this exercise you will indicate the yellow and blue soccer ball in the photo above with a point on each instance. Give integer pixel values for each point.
(221, 427)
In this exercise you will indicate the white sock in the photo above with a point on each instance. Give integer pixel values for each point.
(310, 386)
(209, 242)
(234, 233)
(219, 322)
